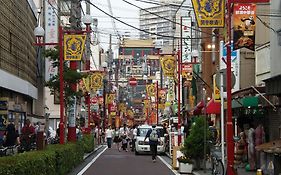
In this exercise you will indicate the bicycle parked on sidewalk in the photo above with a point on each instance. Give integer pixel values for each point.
(216, 160)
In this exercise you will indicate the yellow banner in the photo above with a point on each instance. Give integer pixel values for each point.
(73, 47)
(110, 98)
(146, 103)
(96, 81)
(86, 83)
(217, 96)
(122, 107)
(151, 90)
(168, 63)
(130, 113)
(209, 13)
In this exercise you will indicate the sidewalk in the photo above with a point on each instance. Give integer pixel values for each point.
(240, 171)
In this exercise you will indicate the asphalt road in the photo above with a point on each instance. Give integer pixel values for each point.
(112, 162)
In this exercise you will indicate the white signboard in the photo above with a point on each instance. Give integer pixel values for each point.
(186, 39)
(235, 63)
(51, 33)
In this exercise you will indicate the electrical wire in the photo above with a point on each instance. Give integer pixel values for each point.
(158, 3)
(167, 18)
(265, 24)
(151, 33)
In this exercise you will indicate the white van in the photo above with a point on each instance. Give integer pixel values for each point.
(143, 147)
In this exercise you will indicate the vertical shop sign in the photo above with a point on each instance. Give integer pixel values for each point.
(244, 23)
(186, 39)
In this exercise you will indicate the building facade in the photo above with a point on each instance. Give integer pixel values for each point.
(20, 68)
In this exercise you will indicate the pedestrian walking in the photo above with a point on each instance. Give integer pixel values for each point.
(117, 138)
(154, 136)
(124, 131)
(134, 138)
(108, 135)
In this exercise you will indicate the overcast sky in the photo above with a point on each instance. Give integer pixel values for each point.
(124, 11)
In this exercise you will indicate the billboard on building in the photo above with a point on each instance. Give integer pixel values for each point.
(235, 63)
(186, 39)
(244, 24)
(209, 13)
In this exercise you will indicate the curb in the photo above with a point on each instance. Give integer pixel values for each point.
(95, 150)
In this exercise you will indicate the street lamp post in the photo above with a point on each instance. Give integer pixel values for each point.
(39, 33)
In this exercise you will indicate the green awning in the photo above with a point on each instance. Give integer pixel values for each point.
(236, 103)
(245, 102)
(250, 101)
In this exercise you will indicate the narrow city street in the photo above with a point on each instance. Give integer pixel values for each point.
(112, 162)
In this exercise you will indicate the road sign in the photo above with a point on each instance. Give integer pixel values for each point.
(218, 79)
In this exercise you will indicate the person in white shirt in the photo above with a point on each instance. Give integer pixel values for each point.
(108, 135)
(134, 137)
(124, 131)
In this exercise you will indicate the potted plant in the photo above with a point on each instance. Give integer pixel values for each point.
(185, 164)
(193, 146)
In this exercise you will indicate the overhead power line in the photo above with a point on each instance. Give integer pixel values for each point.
(151, 33)
(167, 18)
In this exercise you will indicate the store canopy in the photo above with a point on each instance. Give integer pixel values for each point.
(198, 108)
(213, 107)
(250, 101)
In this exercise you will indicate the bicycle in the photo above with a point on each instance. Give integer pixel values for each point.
(216, 161)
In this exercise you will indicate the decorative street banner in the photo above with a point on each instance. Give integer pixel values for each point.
(110, 98)
(186, 71)
(122, 107)
(209, 13)
(146, 103)
(244, 23)
(186, 39)
(162, 96)
(96, 81)
(74, 47)
(217, 96)
(86, 83)
(151, 90)
(168, 63)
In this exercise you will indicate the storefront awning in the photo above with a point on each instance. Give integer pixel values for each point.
(250, 101)
(213, 107)
(246, 102)
(198, 108)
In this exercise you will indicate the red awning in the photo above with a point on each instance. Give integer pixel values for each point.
(198, 108)
(213, 107)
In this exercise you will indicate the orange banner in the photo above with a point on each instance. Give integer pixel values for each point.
(244, 23)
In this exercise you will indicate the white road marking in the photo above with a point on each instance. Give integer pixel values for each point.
(169, 166)
(90, 163)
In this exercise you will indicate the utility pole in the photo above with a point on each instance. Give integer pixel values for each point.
(74, 20)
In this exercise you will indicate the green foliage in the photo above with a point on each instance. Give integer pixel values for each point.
(193, 146)
(70, 77)
(87, 143)
(55, 160)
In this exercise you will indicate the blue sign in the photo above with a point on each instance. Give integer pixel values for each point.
(233, 53)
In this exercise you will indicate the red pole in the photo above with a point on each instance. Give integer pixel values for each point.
(61, 125)
(89, 110)
(229, 125)
(179, 88)
(157, 107)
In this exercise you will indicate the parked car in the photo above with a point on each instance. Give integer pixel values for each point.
(143, 146)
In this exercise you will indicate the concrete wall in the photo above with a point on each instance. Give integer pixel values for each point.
(275, 49)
